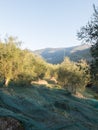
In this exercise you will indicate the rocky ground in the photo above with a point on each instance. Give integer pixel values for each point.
(8, 123)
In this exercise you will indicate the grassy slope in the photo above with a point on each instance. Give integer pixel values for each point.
(41, 108)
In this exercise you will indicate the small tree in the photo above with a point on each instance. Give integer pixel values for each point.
(73, 76)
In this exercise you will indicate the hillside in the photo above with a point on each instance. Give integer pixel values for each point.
(56, 55)
(42, 108)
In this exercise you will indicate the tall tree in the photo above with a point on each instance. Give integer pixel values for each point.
(89, 34)
(9, 56)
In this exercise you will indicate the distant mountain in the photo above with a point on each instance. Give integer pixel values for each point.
(56, 55)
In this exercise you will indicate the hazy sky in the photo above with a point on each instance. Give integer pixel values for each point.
(44, 23)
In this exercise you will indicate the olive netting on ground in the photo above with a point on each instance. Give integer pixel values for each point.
(42, 108)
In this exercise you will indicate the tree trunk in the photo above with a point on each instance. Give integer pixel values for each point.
(7, 80)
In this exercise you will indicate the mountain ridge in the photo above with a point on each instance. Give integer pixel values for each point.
(57, 55)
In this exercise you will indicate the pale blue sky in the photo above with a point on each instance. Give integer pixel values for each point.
(44, 23)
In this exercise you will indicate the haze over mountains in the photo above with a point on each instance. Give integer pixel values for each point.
(56, 55)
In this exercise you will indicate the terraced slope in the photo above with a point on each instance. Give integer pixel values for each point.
(42, 108)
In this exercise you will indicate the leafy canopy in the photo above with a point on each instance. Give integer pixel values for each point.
(89, 34)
